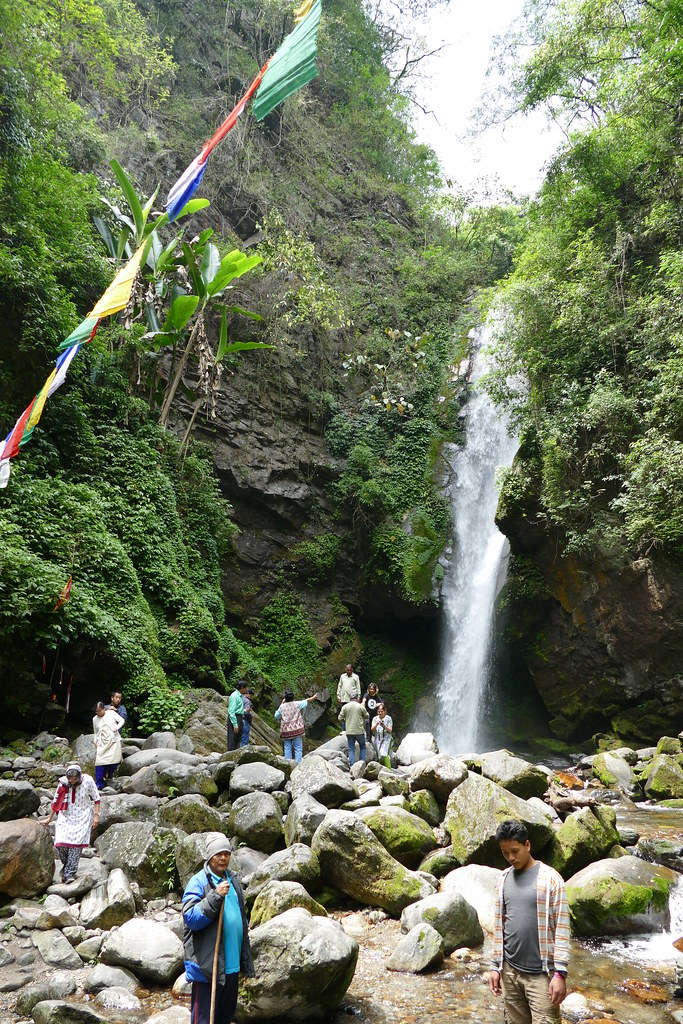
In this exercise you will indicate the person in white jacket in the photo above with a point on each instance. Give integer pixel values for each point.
(107, 725)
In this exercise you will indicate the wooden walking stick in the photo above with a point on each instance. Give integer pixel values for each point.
(214, 973)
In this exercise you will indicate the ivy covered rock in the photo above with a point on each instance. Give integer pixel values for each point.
(620, 895)
(303, 966)
(422, 949)
(478, 884)
(664, 779)
(256, 818)
(474, 811)
(450, 914)
(277, 896)
(145, 852)
(353, 861)
(407, 837)
(322, 780)
(614, 772)
(514, 773)
(298, 863)
(439, 774)
(584, 836)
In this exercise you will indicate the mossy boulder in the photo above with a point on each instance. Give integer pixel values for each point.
(392, 783)
(669, 745)
(664, 779)
(407, 837)
(450, 914)
(474, 811)
(303, 817)
(422, 949)
(614, 772)
(353, 861)
(192, 813)
(256, 819)
(439, 774)
(620, 895)
(423, 803)
(514, 773)
(145, 852)
(585, 836)
(440, 862)
(297, 863)
(276, 896)
(478, 884)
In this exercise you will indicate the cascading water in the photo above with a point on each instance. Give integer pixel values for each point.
(474, 580)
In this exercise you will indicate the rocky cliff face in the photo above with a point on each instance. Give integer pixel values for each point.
(602, 637)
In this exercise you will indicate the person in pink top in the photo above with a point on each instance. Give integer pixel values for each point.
(292, 727)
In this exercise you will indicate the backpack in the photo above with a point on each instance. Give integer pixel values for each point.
(291, 721)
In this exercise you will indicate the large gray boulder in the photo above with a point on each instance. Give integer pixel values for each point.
(256, 777)
(154, 758)
(514, 773)
(474, 811)
(322, 780)
(53, 912)
(181, 779)
(422, 949)
(617, 896)
(664, 779)
(303, 817)
(17, 799)
(478, 884)
(303, 964)
(149, 949)
(407, 838)
(450, 914)
(110, 904)
(615, 772)
(297, 863)
(56, 1011)
(119, 808)
(245, 861)
(102, 976)
(84, 752)
(354, 861)
(440, 774)
(190, 854)
(160, 741)
(146, 852)
(91, 871)
(192, 813)
(584, 836)
(56, 950)
(26, 857)
(416, 746)
(276, 897)
(256, 818)
(59, 985)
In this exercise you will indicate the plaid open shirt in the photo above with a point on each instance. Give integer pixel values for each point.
(552, 913)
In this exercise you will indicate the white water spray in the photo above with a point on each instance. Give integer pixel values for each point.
(476, 575)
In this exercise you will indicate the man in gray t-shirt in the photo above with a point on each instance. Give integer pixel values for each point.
(520, 933)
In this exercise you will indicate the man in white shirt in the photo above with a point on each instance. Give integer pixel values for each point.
(349, 686)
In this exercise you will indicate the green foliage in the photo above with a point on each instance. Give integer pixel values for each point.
(163, 711)
(284, 645)
(317, 558)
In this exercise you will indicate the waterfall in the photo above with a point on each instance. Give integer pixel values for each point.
(476, 573)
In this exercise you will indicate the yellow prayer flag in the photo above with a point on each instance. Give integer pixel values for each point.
(118, 293)
(301, 12)
(39, 404)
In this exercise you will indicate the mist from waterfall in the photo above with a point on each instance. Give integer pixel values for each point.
(476, 574)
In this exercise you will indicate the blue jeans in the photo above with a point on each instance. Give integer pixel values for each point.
(351, 740)
(246, 730)
(294, 748)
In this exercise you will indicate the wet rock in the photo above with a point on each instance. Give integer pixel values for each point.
(110, 977)
(160, 741)
(664, 780)
(620, 896)
(297, 863)
(661, 851)
(256, 818)
(26, 857)
(56, 950)
(192, 813)
(303, 964)
(117, 999)
(514, 774)
(614, 772)
(303, 817)
(276, 897)
(54, 1011)
(145, 851)
(423, 804)
(322, 780)
(109, 904)
(439, 774)
(354, 862)
(17, 800)
(416, 746)
(585, 836)
(148, 949)
(478, 884)
(256, 777)
(407, 838)
(422, 949)
(474, 811)
(450, 914)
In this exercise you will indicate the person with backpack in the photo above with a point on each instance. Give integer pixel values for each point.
(292, 726)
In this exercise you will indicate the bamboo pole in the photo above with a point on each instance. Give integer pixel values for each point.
(214, 972)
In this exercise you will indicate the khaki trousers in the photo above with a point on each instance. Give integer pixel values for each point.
(526, 999)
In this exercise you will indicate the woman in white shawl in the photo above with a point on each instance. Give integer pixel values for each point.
(107, 726)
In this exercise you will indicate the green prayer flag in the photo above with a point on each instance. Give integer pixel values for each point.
(292, 66)
(80, 334)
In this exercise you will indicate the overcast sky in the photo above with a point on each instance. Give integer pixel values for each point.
(515, 154)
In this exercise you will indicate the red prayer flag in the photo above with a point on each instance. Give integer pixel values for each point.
(65, 594)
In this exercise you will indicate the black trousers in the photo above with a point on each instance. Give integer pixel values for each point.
(226, 1001)
(235, 738)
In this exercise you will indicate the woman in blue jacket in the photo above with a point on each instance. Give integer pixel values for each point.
(213, 890)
